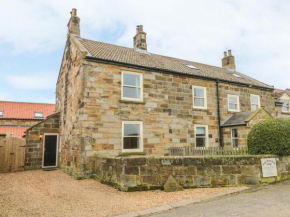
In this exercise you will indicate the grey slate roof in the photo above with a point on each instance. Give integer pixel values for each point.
(237, 119)
(126, 55)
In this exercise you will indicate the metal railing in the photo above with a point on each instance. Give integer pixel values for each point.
(207, 151)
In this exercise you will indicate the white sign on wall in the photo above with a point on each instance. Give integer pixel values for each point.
(269, 167)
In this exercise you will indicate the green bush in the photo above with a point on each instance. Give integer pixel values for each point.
(270, 137)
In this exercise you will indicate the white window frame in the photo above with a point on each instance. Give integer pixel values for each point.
(259, 103)
(238, 103)
(205, 97)
(2, 111)
(232, 137)
(38, 113)
(285, 106)
(141, 86)
(206, 135)
(140, 149)
(43, 144)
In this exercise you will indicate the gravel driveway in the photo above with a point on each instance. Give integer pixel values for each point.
(54, 193)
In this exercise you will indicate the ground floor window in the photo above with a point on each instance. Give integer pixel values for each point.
(132, 139)
(201, 136)
(235, 138)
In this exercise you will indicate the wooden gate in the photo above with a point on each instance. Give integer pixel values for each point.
(12, 151)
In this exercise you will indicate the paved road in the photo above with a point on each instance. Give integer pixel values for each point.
(269, 201)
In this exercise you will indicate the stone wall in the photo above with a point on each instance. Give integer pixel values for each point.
(166, 111)
(70, 100)
(143, 173)
(34, 141)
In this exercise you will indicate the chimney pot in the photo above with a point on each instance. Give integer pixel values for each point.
(139, 40)
(73, 23)
(74, 12)
(228, 61)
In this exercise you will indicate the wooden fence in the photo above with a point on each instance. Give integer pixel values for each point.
(193, 151)
(12, 152)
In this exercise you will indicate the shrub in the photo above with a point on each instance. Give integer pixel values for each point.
(270, 137)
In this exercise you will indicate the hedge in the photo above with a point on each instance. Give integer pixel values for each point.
(270, 137)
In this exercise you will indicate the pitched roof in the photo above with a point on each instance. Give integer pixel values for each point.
(279, 93)
(237, 119)
(18, 132)
(114, 53)
(25, 110)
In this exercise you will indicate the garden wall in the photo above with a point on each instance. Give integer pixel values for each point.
(143, 172)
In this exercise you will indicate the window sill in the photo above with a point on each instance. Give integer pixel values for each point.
(233, 111)
(132, 102)
(131, 153)
(200, 109)
(285, 113)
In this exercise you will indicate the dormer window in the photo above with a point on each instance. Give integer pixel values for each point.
(1, 113)
(38, 114)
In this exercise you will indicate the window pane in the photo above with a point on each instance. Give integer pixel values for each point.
(234, 133)
(233, 100)
(132, 80)
(285, 109)
(254, 107)
(200, 131)
(131, 129)
(38, 115)
(235, 143)
(199, 92)
(254, 100)
(233, 106)
(199, 102)
(131, 142)
(131, 92)
(200, 142)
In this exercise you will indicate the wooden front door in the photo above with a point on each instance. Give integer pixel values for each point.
(50, 147)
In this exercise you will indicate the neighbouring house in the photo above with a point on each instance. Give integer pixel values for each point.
(282, 103)
(113, 101)
(17, 117)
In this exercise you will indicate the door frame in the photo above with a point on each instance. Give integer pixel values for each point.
(43, 145)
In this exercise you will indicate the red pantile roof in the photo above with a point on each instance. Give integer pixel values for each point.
(279, 93)
(25, 110)
(18, 132)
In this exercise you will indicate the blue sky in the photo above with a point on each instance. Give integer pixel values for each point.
(33, 35)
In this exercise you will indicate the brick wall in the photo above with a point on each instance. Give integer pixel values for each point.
(34, 143)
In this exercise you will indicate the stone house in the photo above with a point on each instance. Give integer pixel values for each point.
(282, 103)
(115, 101)
(17, 117)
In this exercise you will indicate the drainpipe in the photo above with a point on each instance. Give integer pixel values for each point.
(221, 138)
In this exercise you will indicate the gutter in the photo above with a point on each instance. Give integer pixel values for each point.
(221, 137)
(93, 59)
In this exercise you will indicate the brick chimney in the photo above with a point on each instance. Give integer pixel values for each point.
(74, 23)
(140, 39)
(229, 60)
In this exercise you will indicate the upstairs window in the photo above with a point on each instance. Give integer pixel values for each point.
(255, 102)
(38, 114)
(132, 136)
(201, 136)
(285, 106)
(132, 86)
(1, 113)
(235, 138)
(233, 103)
(199, 97)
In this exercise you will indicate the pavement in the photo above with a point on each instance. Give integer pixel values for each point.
(265, 201)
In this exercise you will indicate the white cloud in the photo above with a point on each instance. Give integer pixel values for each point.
(38, 81)
(257, 31)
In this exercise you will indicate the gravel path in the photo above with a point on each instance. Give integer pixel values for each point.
(54, 193)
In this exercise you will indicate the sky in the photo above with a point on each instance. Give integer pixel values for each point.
(33, 36)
